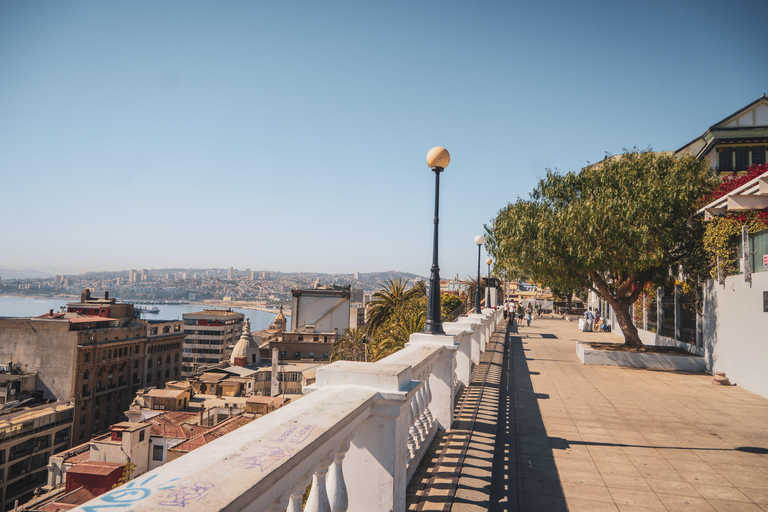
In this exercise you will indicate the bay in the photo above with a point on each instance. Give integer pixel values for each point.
(26, 307)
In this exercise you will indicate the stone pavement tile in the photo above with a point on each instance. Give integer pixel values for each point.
(720, 492)
(745, 478)
(759, 496)
(636, 498)
(675, 454)
(635, 482)
(581, 476)
(539, 486)
(677, 487)
(620, 468)
(666, 474)
(575, 463)
(675, 503)
(650, 461)
(733, 506)
(579, 505)
(692, 466)
(704, 478)
(541, 503)
(574, 490)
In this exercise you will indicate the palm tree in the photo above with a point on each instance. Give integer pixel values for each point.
(353, 346)
(407, 323)
(388, 301)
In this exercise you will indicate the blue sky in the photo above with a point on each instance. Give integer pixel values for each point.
(292, 135)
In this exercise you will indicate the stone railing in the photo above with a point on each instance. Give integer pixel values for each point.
(356, 438)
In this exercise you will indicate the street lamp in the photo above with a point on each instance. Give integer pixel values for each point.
(438, 159)
(479, 240)
(488, 283)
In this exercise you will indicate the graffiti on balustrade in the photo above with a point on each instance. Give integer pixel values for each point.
(264, 457)
(286, 444)
(296, 434)
(182, 496)
(131, 493)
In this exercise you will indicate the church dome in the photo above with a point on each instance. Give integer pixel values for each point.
(246, 350)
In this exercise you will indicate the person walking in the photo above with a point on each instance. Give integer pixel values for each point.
(506, 308)
(520, 312)
(528, 315)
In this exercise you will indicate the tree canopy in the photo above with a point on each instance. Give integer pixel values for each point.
(611, 227)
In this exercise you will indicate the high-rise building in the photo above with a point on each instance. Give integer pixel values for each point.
(96, 352)
(229, 273)
(209, 335)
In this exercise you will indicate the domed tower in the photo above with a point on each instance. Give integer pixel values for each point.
(246, 350)
(279, 324)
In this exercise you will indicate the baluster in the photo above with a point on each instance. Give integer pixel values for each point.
(417, 422)
(294, 502)
(411, 436)
(335, 485)
(318, 497)
(428, 391)
(422, 421)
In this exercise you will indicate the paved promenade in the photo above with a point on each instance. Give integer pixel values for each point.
(567, 436)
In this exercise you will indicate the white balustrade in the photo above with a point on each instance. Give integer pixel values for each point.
(358, 436)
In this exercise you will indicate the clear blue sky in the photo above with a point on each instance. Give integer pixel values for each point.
(292, 135)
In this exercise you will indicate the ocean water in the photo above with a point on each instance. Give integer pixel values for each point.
(24, 307)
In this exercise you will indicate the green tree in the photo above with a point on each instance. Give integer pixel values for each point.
(353, 346)
(611, 228)
(449, 303)
(389, 301)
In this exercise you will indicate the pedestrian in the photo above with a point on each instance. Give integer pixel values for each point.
(520, 312)
(505, 310)
(528, 314)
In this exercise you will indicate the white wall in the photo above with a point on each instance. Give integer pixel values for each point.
(312, 309)
(735, 330)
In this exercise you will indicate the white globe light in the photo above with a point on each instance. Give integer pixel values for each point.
(479, 239)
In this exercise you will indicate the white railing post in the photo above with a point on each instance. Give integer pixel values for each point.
(335, 485)
(463, 336)
(318, 497)
(378, 451)
(441, 378)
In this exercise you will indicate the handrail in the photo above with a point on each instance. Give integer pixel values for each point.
(359, 434)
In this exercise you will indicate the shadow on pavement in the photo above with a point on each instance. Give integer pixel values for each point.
(525, 477)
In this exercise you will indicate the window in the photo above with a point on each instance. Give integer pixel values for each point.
(85, 389)
(168, 359)
(316, 338)
(725, 160)
(758, 155)
(149, 363)
(167, 372)
(157, 452)
(157, 376)
(297, 354)
(87, 356)
(141, 435)
(153, 331)
(159, 361)
(742, 158)
(136, 363)
(311, 355)
(85, 375)
(176, 358)
(175, 372)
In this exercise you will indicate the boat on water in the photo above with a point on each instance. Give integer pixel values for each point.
(141, 309)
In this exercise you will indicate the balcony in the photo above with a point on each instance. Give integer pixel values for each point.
(374, 420)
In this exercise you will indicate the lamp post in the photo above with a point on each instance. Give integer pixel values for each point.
(438, 159)
(479, 240)
(488, 283)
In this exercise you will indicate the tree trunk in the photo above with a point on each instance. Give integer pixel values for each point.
(568, 301)
(631, 337)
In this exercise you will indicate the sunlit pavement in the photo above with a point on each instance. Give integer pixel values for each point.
(593, 438)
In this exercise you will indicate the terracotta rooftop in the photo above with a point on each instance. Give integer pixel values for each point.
(69, 501)
(95, 467)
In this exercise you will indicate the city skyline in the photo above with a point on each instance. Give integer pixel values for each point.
(293, 137)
